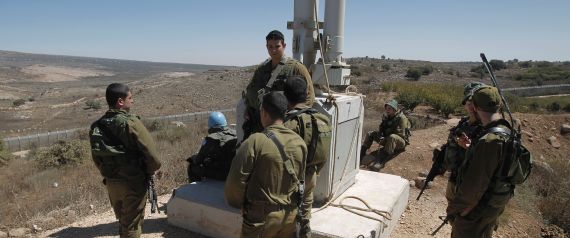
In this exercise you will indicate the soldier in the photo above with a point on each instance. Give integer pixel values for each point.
(125, 154)
(266, 174)
(468, 127)
(393, 134)
(478, 203)
(269, 77)
(218, 149)
(307, 122)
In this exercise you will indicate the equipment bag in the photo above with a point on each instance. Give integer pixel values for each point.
(518, 161)
(319, 146)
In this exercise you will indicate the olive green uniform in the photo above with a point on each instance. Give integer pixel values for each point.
(392, 135)
(477, 186)
(262, 75)
(455, 154)
(125, 175)
(304, 129)
(215, 155)
(259, 184)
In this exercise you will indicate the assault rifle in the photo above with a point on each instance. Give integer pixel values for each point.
(445, 221)
(152, 198)
(494, 80)
(436, 168)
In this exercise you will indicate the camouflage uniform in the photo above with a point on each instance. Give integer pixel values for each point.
(259, 81)
(215, 156)
(454, 154)
(391, 135)
(259, 183)
(314, 166)
(125, 176)
(481, 191)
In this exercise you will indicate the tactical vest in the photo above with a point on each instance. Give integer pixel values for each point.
(218, 161)
(515, 165)
(105, 145)
(311, 123)
(389, 126)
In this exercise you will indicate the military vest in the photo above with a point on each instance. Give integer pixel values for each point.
(390, 126)
(315, 129)
(113, 151)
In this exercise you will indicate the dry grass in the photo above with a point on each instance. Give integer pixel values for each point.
(30, 197)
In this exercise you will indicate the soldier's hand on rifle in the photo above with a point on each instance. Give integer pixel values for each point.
(463, 140)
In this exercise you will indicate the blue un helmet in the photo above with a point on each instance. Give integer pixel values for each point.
(216, 119)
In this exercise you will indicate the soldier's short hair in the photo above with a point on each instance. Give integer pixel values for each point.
(275, 104)
(275, 35)
(295, 89)
(114, 92)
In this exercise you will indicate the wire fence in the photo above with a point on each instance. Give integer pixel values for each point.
(540, 90)
(46, 139)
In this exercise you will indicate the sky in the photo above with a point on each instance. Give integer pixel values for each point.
(233, 32)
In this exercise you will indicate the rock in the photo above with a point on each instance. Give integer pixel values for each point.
(91, 207)
(3, 234)
(36, 228)
(530, 140)
(423, 173)
(565, 129)
(554, 142)
(18, 232)
(419, 183)
(543, 167)
(55, 185)
(179, 124)
(412, 183)
(434, 145)
(526, 133)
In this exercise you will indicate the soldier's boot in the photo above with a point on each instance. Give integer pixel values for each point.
(380, 162)
(363, 150)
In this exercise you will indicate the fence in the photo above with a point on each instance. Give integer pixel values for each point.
(46, 139)
(540, 90)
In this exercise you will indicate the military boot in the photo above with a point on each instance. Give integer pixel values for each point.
(363, 150)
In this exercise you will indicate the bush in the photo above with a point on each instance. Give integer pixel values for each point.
(544, 64)
(154, 125)
(413, 74)
(409, 101)
(498, 64)
(63, 153)
(92, 104)
(426, 69)
(18, 102)
(567, 108)
(525, 64)
(553, 107)
(478, 71)
(386, 67)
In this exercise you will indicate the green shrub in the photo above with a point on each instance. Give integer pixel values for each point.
(553, 107)
(154, 125)
(478, 71)
(63, 153)
(92, 104)
(426, 69)
(18, 102)
(410, 101)
(413, 74)
(386, 67)
(525, 64)
(567, 107)
(498, 64)
(544, 64)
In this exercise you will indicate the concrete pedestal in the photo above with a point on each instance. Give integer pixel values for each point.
(200, 207)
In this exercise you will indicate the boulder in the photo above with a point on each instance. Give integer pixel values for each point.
(565, 129)
(18, 232)
(3, 234)
(554, 142)
(420, 181)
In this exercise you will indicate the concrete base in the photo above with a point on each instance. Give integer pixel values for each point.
(200, 207)
(384, 192)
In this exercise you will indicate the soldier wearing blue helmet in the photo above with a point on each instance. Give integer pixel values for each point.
(217, 151)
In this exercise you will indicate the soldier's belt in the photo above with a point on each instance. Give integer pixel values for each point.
(269, 207)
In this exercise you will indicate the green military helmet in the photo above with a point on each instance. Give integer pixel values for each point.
(487, 98)
(469, 89)
(392, 103)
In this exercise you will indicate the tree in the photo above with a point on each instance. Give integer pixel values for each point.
(414, 74)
